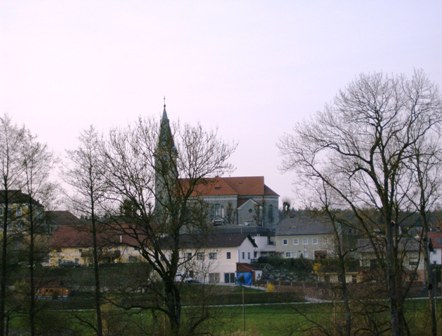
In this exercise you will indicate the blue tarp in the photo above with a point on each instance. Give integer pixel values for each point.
(244, 278)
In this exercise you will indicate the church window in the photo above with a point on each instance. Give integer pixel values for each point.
(217, 210)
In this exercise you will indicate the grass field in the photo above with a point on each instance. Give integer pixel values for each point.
(268, 320)
(290, 320)
(236, 320)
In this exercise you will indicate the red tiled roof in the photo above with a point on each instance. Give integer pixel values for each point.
(241, 186)
(71, 236)
(436, 239)
(80, 236)
(214, 187)
(243, 267)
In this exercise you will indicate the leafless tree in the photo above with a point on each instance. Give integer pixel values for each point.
(37, 163)
(86, 177)
(158, 171)
(339, 226)
(361, 146)
(425, 167)
(11, 139)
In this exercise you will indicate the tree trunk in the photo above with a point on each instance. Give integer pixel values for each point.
(345, 295)
(173, 307)
(431, 284)
(3, 277)
(32, 311)
(97, 276)
(394, 281)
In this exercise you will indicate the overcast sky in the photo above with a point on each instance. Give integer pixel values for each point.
(251, 69)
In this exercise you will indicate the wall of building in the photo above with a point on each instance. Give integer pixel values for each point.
(216, 265)
(225, 210)
(436, 257)
(293, 246)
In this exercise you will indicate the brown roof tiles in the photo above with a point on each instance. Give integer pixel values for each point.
(241, 186)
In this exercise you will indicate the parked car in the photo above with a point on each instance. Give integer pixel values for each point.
(68, 264)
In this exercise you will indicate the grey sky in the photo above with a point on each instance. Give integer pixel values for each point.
(249, 68)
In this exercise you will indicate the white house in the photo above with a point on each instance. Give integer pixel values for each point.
(436, 247)
(265, 246)
(215, 259)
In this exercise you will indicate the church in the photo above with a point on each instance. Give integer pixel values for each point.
(243, 201)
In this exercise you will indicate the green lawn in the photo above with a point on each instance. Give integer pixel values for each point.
(287, 320)
(266, 320)
(258, 320)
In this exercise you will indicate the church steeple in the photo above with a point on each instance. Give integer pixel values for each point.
(165, 138)
(166, 156)
(164, 109)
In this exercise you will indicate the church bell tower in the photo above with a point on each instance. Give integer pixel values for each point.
(166, 172)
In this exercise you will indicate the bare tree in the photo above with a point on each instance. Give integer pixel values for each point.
(85, 176)
(342, 251)
(158, 172)
(37, 162)
(361, 146)
(11, 139)
(425, 167)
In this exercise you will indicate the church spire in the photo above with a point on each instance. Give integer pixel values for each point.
(165, 162)
(164, 109)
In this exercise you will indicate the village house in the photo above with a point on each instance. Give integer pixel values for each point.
(72, 246)
(410, 253)
(305, 234)
(435, 239)
(214, 258)
(19, 211)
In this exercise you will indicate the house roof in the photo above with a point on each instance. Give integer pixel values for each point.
(407, 244)
(62, 217)
(215, 239)
(436, 239)
(17, 197)
(69, 236)
(80, 236)
(304, 223)
(243, 267)
(240, 186)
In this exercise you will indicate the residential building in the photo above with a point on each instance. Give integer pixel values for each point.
(435, 247)
(214, 258)
(19, 207)
(265, 245)
(72, 245)
(409, 250)
(305, 234)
